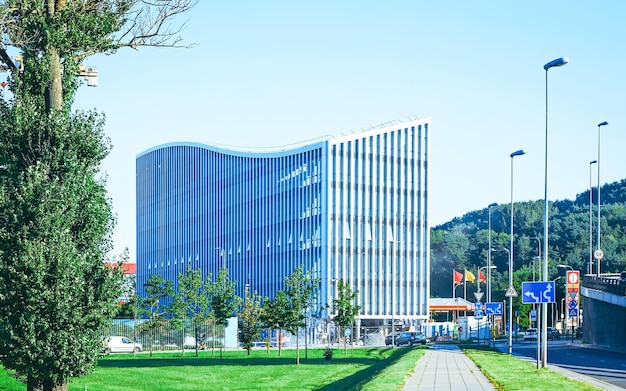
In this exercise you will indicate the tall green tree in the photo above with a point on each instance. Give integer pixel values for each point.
(55, 225)
(55, 217)
(157, 290)
(276, 316)
(192, 300)
(222, 299)
(250, 319)
(300, 287)
(345, 308)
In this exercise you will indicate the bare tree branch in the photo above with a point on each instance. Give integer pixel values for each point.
(150, 23)
(153, 23)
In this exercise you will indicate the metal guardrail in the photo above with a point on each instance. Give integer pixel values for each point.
(609, 283)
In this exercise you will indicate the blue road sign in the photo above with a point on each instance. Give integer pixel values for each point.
(478, 306)
(538, 292)
(478, 315)
(494, 308)
(572, 304)
(573, 312)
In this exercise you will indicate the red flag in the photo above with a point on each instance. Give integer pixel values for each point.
(482, 277)
(458, 277)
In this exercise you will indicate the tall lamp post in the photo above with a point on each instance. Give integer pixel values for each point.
(492, 205)
(544, 306)
(489, 256)
(590, 267)
(598, 244)
(513, 155)
(481, 268)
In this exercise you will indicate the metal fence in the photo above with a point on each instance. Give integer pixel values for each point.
(171, 335)
(176, 335)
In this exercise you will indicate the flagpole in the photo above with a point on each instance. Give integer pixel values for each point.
(453, 283)
(465, 285)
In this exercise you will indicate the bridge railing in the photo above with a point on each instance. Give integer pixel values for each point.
(605, 282)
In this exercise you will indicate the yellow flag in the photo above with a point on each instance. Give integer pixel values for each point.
(469, 276)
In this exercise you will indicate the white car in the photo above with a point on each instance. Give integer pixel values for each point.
(117, 344)
(530, 333)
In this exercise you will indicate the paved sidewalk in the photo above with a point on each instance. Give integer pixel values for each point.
(446, 367)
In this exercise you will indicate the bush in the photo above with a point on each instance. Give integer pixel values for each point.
(328, 354)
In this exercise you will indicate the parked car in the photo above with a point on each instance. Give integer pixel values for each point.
(553, 333)
(118, 344)
(410, 338)
(388, 339)
(530, 334)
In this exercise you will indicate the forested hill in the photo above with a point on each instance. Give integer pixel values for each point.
(463, 242)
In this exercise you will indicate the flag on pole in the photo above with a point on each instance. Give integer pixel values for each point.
(469, 276)
(482, 277)
(458, 277)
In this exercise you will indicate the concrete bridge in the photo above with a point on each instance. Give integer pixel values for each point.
(604, 305)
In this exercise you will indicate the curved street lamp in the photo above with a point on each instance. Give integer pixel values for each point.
(544, 306)
(598, 244)
(513, 155)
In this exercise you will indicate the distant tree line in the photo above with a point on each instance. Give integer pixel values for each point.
(463, 243)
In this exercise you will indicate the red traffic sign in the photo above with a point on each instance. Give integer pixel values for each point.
(573, 280)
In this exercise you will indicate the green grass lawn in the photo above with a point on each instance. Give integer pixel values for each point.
(367, 369)
(513, 373)
(375, 369)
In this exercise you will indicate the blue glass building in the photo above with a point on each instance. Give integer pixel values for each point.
(353, 208)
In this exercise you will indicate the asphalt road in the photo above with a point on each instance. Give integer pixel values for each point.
(605, 365)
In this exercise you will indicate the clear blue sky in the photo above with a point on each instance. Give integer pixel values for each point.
(274, 73)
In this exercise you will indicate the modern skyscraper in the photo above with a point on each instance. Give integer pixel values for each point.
(353, 208)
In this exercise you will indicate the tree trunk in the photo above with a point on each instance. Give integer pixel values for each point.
(183, 336)
(54, 98)
(54, 92)
(297, 348)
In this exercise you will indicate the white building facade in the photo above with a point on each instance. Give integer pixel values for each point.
(353, 208)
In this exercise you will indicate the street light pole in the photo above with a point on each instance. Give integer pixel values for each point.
(598, 244)
(544, 306)
(481, 268)
(516, 153)
(492, 205)
(489, 255)
(590, 268)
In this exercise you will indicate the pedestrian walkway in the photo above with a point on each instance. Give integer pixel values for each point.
(446, 367)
